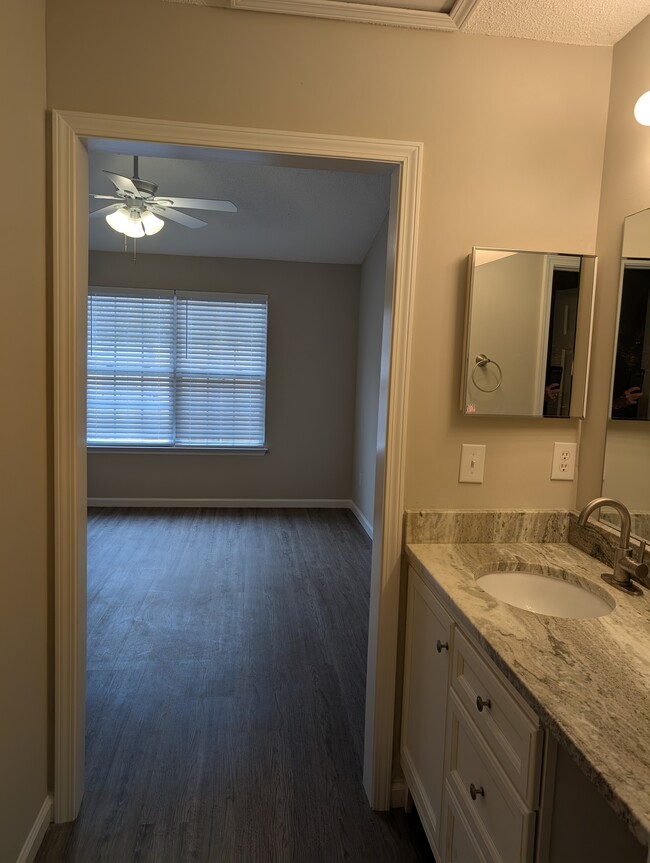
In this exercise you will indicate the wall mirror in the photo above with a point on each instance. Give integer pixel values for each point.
(627, 450)
(527, 333)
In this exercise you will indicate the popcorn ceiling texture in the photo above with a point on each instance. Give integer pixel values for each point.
(581, 22)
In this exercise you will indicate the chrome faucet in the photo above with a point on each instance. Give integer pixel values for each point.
(624, 565)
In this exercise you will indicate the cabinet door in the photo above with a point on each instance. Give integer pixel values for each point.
(460, 846)
(426, 675)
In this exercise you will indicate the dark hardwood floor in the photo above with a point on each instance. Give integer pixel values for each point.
(226, 686)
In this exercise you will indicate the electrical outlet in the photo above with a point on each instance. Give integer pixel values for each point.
(472, 462)
(564, 460)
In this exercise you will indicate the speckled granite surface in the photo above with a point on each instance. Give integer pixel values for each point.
(501, 525)
(588, 680)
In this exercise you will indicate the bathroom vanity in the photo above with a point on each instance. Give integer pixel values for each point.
(525, 737)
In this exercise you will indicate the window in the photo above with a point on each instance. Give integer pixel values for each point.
(176, 369)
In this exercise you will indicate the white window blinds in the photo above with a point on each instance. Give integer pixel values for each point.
(176, 369)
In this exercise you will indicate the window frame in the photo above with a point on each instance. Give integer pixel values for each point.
(184, 448)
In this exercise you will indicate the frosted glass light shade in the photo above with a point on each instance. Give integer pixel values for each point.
(642, 109)
(151, 223)
(125, 222)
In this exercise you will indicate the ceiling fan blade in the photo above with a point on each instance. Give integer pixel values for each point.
(106, 197)
(197, 204)
(123, 184)
(105, 210)
(181, 218)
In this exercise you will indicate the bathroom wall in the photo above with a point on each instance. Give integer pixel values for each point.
(25, 515)
(311, 372)
(625, 190)
(513, 131)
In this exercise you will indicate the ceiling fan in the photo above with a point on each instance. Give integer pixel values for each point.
(137, 208)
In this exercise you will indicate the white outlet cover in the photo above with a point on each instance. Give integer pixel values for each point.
(565, 455)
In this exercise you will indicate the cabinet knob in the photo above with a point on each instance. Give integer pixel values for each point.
(476, 792)
(442, 645)
(482, 702)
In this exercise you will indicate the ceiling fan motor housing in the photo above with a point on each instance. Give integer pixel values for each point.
(145, 187)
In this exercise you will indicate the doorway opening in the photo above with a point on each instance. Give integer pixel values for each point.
(70, 135)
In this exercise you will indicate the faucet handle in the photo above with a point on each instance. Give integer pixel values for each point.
(641, 552)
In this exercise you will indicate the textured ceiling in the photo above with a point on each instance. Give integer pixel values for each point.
(284, 213)
(581, 22)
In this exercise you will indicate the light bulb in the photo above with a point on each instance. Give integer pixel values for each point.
(642, 109)
(126, 222)
(151, 223)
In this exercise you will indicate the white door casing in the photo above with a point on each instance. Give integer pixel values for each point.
(69, 283)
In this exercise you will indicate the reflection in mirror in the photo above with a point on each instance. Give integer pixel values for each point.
(627, 450)
(527, 333)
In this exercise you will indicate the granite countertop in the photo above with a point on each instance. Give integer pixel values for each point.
(588, 680)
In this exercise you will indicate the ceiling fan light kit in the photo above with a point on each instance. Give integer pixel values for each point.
(134, 223)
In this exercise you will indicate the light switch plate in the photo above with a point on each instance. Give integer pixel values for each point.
(472, 462)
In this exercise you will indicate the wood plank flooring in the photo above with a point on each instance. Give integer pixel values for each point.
(226, 686)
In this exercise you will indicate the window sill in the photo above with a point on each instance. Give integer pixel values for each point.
(180, 450)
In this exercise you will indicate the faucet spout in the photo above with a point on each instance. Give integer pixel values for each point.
(624, 565)
(621, 509)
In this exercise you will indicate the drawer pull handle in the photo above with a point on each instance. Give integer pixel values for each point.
(442, 645)
(482, 702)
(476, 792)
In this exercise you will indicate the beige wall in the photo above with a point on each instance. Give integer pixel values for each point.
(513, 133)
(625, 190)
(24, 427)
(312, 354)
(371, 314)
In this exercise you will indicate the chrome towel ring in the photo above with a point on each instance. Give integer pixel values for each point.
(481, 362)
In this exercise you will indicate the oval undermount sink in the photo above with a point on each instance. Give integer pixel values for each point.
(544, 590)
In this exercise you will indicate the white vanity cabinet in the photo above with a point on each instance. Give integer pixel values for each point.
(490, 783)
(427, 651)
(471, 748)
(493, 759)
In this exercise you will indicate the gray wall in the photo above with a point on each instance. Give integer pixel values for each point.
(312, 355)
(371, 311)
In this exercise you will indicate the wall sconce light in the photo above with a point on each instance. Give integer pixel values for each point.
(134, 222)
(642, 109)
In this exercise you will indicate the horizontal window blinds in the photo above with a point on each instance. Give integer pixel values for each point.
(176, 370)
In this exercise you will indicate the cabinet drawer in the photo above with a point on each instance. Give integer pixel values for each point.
(510, 728)
(460, 846)
(504, 826)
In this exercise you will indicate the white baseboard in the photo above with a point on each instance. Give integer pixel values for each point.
(36, 834)
(250, 503)
(363, 521)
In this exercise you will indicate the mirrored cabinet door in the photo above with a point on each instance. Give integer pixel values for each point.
(528, 331)
(627, 450)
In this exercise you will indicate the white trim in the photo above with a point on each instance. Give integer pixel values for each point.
(69, 215)
(69, 325)
(360, 517)
(35, 836)
(365, 13)
(216, 502)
